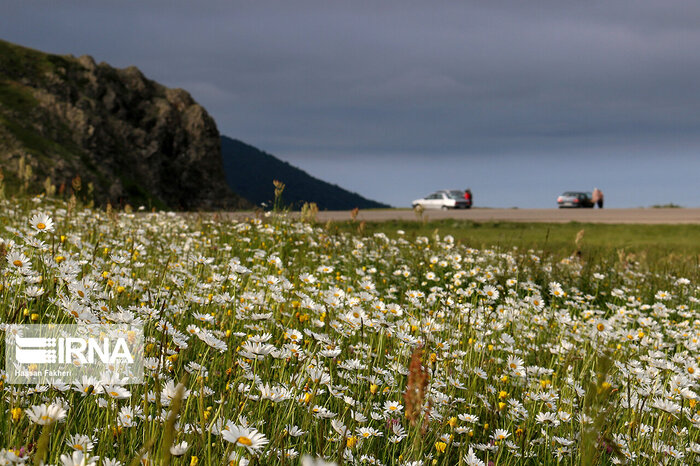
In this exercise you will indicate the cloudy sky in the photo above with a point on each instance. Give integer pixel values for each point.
(517, 100)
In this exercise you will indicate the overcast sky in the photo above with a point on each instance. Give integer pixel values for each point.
(518, 100)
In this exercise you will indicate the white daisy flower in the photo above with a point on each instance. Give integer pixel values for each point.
(246, 437)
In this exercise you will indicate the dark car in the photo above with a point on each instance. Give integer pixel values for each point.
(575, 199)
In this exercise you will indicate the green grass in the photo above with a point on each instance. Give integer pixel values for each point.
(553, 236)
(16, 97)
(657, 244)
(17, 62)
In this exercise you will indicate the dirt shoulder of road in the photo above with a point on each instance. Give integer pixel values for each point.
(630, 216)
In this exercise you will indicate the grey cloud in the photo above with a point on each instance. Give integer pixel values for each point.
(324, 78)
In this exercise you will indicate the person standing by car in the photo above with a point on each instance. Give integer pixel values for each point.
(468, 197)
(597, 197)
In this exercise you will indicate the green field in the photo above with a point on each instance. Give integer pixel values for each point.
(670, 247)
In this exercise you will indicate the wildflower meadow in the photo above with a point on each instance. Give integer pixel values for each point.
(276, 341)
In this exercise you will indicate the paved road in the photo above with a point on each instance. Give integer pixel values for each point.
(646, 216)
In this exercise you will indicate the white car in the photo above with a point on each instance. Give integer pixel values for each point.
(445, 199)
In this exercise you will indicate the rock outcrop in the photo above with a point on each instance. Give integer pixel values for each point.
(133, 139)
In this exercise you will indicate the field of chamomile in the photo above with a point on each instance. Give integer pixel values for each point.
(273, 341)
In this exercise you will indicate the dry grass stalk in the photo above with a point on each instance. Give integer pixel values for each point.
(416, 387)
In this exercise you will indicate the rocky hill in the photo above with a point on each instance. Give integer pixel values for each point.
(131, 138)
(250, 173)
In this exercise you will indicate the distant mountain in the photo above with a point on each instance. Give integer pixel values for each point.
(250, 172)
(130, 138)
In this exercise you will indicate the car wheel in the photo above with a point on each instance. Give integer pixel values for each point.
(444, 207)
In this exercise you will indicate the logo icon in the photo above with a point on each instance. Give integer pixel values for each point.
(35, 350)
(39, 354)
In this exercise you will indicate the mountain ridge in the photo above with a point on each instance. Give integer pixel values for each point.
(250, 172)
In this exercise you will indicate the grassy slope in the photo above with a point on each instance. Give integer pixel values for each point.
(22, 69)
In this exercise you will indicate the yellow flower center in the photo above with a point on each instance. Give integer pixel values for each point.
(115, 394)
(244, 441)
(40, 226)
(691, 370)
(77, 446)
(17, 263)
(600, 327)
